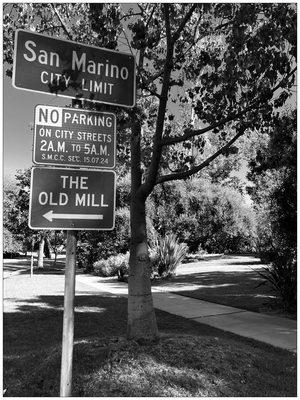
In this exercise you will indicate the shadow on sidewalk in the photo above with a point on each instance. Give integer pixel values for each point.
(235, 289)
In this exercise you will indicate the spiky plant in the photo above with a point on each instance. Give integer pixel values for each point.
(170, 253)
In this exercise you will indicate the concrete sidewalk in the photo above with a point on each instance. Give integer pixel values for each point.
(279, 332)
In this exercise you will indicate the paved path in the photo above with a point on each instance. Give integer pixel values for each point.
(279, 332)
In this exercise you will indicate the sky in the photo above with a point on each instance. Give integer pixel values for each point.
(18, 116)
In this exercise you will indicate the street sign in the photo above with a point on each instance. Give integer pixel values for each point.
(69, 69)
(72, 199)
(74, 137)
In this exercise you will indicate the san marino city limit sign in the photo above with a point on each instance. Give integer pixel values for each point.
(64, 68)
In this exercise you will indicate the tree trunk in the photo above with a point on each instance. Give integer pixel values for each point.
(41, 253)
(141, 323)
(141, 316)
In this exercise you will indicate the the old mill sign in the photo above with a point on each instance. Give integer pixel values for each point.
(72, 199)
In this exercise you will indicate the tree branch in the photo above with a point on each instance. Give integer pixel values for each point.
(183, 22)
(12, 7)
(168, 27)
(149, 183)
(151, 15)
(141, 8)
(280, 84)
(129, 15)
(192, 171)
(61, 21)
(190, 133)
(127, 40)
(153, 77)
(152, 92)
(50, 27)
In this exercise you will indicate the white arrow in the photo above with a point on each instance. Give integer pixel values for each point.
(50, 216)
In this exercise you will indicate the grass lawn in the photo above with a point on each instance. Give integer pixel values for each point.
(190, 359)
(231, 288)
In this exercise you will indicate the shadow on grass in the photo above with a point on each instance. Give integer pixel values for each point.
(13, 267)
(23, 267)
(39, 322)
(48, 271)
(258, 262)
(190, 360)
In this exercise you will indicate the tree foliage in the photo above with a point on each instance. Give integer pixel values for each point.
(16, 204)
(203, 215)
(11, 245)
(16, 216)
(274, 174)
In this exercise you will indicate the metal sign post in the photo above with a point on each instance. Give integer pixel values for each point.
(68, 320)
(31, 260)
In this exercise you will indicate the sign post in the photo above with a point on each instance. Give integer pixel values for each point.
(31, 260)
(68, 319)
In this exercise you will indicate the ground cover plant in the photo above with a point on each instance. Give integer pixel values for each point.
(190, 359)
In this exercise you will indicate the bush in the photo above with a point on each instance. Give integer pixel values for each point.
(105, 267)
(282, 276)
(93, 246)
(166, 255)
(112, 266)
(86, 254)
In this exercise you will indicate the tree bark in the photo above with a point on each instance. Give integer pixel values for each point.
(41, 253)
(141, 316)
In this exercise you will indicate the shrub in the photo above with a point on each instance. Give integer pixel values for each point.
(104, 268)
(282, 276)
(112, 266)
(200, 251)
(86, 255)
(167, 254)
(93, 246)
